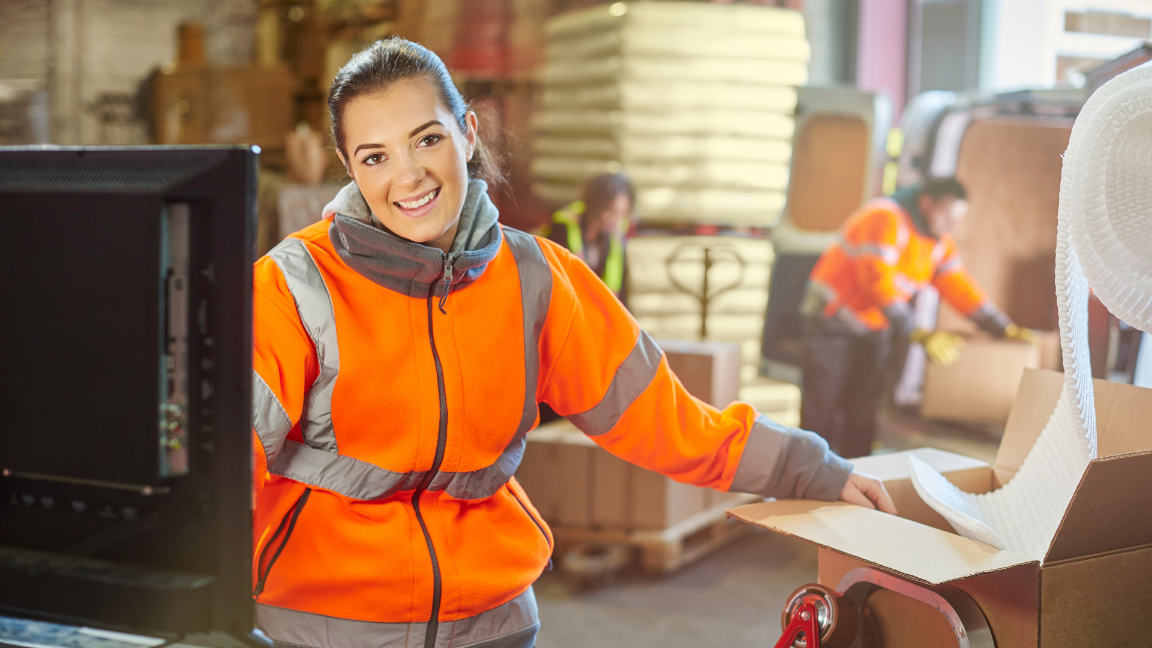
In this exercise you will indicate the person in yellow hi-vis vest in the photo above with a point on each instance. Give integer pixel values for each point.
(594, 228)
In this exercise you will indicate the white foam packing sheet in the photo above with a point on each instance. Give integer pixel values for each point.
(690, 41)
(672, 95)
(736, 175)
(1104, 241)
(695, 122)
(713, 69)
(628, 149)
(715, 17)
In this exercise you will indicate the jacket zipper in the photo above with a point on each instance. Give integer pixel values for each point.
(441, 442)
(286, 526)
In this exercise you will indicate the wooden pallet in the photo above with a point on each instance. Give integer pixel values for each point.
(664, 551)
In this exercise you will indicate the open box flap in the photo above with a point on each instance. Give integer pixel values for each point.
(896, 545)
(1110, 510)
(1035, 401)
(1122, 416)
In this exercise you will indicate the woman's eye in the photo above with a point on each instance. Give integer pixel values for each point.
(375, 158)
(429, 140)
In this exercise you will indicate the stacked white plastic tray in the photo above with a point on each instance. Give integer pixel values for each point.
(694, 101)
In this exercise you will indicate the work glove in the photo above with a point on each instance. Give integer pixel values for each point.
(942, 347)
(1019, 334)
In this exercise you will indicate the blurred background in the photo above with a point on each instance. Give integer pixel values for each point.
(750, 132)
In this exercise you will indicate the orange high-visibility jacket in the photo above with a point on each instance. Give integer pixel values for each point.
(881, 259)
(394, 386)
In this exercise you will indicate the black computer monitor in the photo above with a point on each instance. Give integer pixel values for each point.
(125, 388)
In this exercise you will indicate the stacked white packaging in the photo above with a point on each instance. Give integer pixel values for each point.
(694, 101)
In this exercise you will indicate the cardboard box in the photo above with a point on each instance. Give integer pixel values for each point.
(575, 483)
(981, 385)
(710, 371)
(209, 105)
(1093, 588)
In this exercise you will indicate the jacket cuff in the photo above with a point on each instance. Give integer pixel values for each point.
(990, 319)
(785, 462)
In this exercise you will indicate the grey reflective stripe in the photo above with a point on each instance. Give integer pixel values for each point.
(761, 454)
(631, 379)
(314, 304)
(340, 473)
(887, 253)
(951, 265)
(508, 626)
(535, 296)
(269, 418)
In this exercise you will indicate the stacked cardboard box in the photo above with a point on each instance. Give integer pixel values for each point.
(666, 277)
(577, 485)
(693, 101)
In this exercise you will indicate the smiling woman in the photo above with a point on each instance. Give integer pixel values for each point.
(408, 139)
(402, 346)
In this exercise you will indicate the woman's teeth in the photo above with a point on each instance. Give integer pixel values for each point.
(416, 204)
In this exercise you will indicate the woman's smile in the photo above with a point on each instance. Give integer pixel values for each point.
(419, 205)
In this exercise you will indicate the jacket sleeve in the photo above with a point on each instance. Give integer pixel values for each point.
(284, 364)
(959, 289)
(612, 381)
(874, 245)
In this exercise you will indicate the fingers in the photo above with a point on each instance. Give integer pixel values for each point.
(867, 491)
(852, 495)
(874, 490)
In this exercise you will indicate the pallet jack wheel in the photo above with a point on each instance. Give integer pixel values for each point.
(836, 617)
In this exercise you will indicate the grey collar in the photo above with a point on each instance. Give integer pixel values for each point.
(411, 268)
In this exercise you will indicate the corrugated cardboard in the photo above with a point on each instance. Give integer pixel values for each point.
(574, 483)
(710, 371)
(981, 385)
(1092, 588)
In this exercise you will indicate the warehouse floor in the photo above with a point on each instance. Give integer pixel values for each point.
(730, 599)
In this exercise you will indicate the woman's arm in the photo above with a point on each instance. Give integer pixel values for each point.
(612, 381)
(284, 364)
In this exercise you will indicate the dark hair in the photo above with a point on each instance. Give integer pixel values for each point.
(385, 62)
(937, 188)
(599, 192)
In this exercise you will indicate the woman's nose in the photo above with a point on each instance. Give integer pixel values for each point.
(411, 171)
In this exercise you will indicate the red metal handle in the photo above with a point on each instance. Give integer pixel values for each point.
(803, 622)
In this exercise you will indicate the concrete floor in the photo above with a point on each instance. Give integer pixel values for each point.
(731, 598)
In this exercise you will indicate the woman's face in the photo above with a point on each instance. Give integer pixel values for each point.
(619, 211)
(409, 157)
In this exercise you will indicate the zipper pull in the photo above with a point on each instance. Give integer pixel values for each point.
(448, 261)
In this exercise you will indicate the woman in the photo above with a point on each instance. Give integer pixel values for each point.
(594, 227)
(401, 347)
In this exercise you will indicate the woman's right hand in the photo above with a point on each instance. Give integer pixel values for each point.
(867, 491)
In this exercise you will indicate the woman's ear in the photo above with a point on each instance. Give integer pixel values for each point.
(473, 125)
(344, 161)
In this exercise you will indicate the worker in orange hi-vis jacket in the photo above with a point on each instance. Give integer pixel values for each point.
(401, 348)
(857, 300)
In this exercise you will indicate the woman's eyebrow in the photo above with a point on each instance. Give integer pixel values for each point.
(367, 146)
(434, 122)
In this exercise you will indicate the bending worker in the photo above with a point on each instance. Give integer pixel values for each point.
(857, 300)
(594, 227)
(402, 345)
